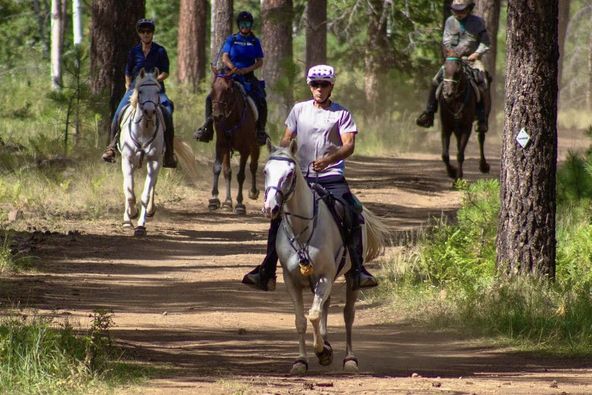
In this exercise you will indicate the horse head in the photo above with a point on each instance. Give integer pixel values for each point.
(146, 96)
(222, 96)
(281, 171)
(455, 80)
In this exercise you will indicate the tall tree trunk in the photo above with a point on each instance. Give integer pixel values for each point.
(40, 10)
(221, 27)
(278, 65)
(526, 241)
(57, 43)
(191, 50)
(377, 50)
(316, 33)
(564, 7)
(489, 10)
(589, 90)
(77, 21)
(113, 33)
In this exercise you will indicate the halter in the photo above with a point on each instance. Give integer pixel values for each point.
(228, 132)
(299, 247)
(467, 90)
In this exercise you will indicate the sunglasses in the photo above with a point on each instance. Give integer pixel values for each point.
(320, 84)
(245, 25)
(145, 31)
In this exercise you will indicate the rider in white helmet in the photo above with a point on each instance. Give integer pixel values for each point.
(465, 34)
(326, 136)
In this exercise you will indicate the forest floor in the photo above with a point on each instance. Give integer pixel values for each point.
(178, 302)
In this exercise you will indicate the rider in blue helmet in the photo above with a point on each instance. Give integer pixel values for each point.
(242, 55)
(149, 56)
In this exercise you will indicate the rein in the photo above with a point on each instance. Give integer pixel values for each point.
(467, 90)
(142, 148)
(228, 132)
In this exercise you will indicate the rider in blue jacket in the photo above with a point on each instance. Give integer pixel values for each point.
(149, 56)
(242, 54)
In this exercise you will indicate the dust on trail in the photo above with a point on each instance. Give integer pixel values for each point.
(177, 301)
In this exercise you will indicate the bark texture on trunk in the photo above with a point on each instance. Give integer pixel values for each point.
(526, 232)
(316, 33)
(278, 66)
(57, 42)
(221, 27)
(113, 34)
(191, 50)
(377, 50)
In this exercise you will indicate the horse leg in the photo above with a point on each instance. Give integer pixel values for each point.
(152, 169)
(130, 211)
(322, 293)
(214, 202)
(254, 192)
(240, 177)
(462, 139)
(483, 165)
(300, 366)
(350, 362)
(227, 170)
(446, 133)
(326, 356)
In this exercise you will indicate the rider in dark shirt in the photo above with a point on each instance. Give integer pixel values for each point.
(242, 54)
(149, 56)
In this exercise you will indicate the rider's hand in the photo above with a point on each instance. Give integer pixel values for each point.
(474, 56)
(320, 164)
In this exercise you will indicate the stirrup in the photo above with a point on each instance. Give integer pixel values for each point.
(170, 162)
(203, 134)
(262, 137)
(425, 120)
(255, 280)
(482, 127)
(109, 155)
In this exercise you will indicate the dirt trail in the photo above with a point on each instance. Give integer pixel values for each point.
(178, 302)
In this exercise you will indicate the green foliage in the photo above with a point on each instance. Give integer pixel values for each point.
(449, 279)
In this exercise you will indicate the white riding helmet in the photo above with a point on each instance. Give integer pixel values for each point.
(321, 72)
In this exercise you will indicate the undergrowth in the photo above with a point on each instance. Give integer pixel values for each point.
(449, 279)
(40, 356)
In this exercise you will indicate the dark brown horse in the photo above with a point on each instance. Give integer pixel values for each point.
(458, 102)
(234, 122)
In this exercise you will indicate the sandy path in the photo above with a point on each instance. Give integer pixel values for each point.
(177, 301)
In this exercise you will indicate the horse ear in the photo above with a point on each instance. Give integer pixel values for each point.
(142, 73)
(293, 147)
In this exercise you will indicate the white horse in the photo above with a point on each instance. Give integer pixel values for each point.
(142, 139)
(309, 233)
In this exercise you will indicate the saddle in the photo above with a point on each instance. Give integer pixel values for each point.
(249, 99)
(340, 210)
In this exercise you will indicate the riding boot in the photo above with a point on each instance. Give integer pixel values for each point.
(482, 125)
(263, 276)
(426, 119)
(358, 274)
(170, 160)
(483, 106)
(206, 132)
(111, 150)
(262, 122)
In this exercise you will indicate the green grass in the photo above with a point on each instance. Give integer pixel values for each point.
(38, 356)
(449, 280)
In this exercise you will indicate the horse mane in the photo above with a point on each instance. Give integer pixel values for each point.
(139, 82)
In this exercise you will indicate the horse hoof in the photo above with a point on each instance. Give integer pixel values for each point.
(484, 167)
(299, 368)
(127, 225)
(213, 204)
(452, 173)
(254, 195)
(326, 356)
(227, 206)
(140, 231)
(150, 214)
(240, 209)
(350, 366)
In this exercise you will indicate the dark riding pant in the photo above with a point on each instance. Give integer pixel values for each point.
(338, 187)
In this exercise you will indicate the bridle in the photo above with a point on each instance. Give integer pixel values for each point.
(227, 106)
(466, 91)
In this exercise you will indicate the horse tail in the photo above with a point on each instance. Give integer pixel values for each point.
(186, 158)
(377, 235)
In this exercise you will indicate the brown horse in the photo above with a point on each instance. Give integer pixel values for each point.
(458, 102)
(234, 122)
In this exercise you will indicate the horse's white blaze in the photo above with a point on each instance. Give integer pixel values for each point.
(275, 177)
